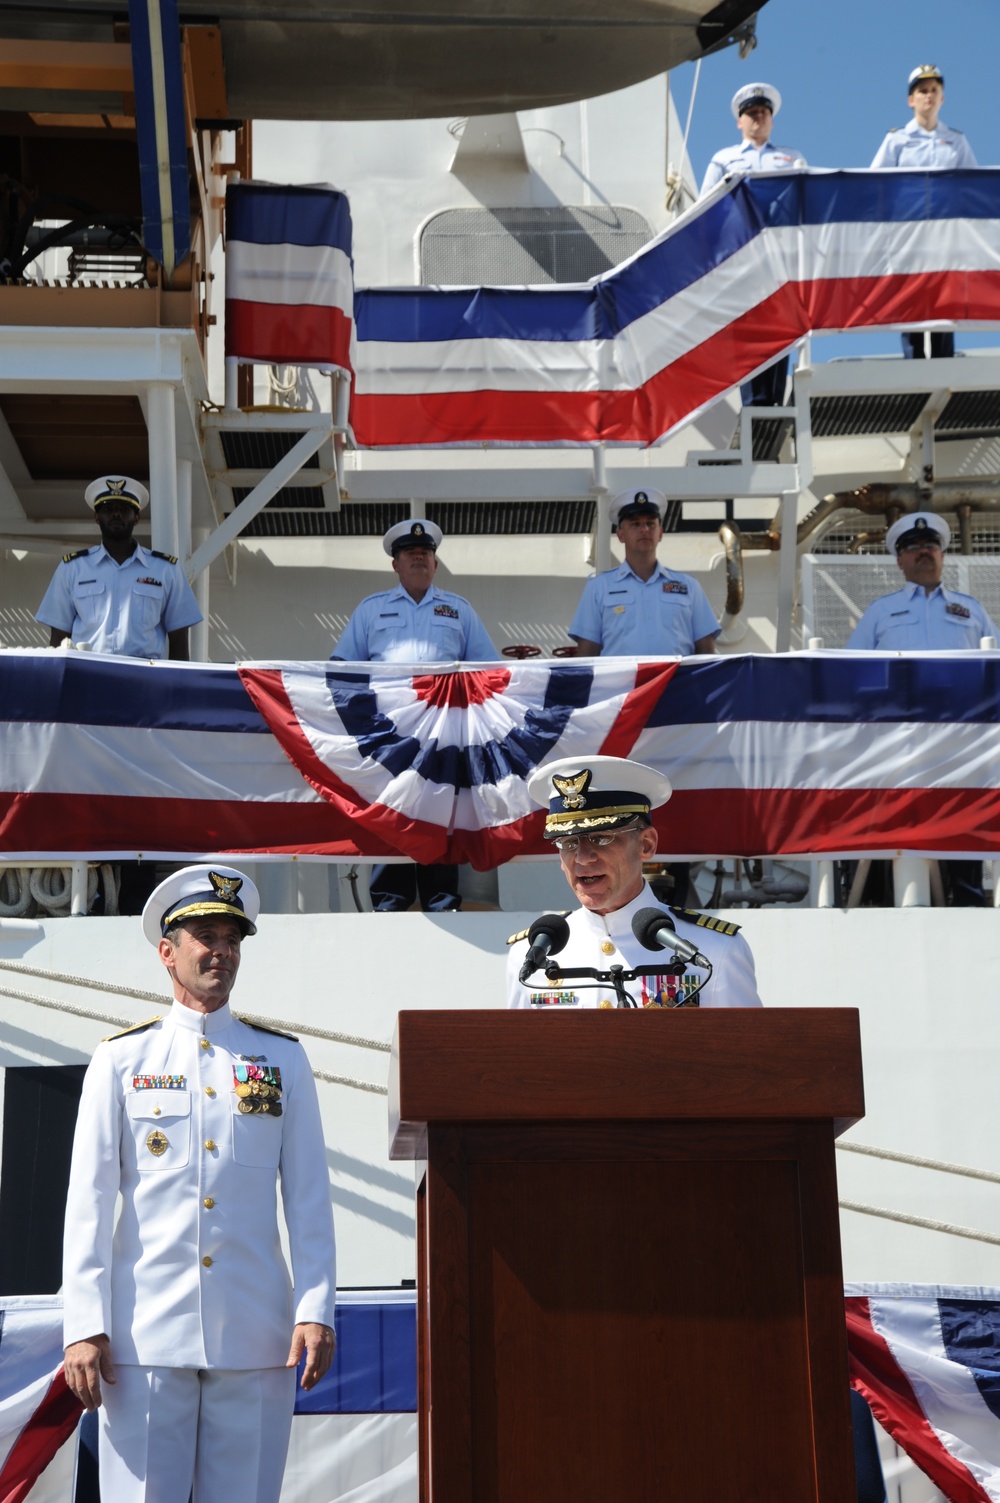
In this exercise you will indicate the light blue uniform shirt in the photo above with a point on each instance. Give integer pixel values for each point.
(911, 620)
(392, 627)
(630, 617)
(914, 147)
(742, 156)
(125, 609)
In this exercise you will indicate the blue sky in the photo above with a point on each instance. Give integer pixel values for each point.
(841, 67)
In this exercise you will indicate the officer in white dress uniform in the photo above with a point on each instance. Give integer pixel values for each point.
(415, 623)
(119, 597)
(599, 818)
(923, 616)
(180, 1318)
(641, 607)
(925, 141)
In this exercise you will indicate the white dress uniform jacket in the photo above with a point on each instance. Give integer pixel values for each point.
(631, 617)
(193, 1275)
(124, 609)
(911, 620)
(743, 156)
(392, 627)
(604, 940)
(916, 148)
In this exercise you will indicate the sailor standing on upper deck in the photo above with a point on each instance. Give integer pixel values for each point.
(642, 608)
(754, 108)
(119, 597)
(923, 616)
(925, 141)
(415, 622)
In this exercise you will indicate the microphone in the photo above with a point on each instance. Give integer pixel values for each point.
(655, 930)
(547, 936)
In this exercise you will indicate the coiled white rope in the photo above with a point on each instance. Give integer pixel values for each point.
(50, 888)
(15, 893)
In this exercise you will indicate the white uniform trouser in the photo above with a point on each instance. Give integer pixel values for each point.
(168, 1430)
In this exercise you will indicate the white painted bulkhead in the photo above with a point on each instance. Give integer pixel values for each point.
(923, 979)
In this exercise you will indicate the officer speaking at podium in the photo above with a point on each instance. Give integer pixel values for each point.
(599, 820)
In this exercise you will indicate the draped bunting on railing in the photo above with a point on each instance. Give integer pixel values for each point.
(925, 1359)
(786, 754)
(633, 354)
(289, 276)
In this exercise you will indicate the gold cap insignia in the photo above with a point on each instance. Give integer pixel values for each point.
(226, 888)
(573, 790)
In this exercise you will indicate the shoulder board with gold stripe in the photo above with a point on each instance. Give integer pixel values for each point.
(168, 556)
(264, 1028)
(136, 1028)
(68, 558)
(706, 921)
(523, 933)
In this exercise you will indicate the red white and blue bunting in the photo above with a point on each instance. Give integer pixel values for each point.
(798, 754)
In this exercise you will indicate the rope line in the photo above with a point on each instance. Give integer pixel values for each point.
(359, 1085)
(922, 1221)
(159, 1000)
(117, 1022)
(76, 1012)
(988, 1175)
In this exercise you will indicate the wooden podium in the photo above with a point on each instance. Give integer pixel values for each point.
(628, 1252)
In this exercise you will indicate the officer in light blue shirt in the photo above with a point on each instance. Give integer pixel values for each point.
(926, 142)
(416, 622)
(642, 609)
(923, 615)
(754, 108)
(119, 597)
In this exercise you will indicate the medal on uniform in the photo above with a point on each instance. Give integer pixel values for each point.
(258, 1088)
(157, 1143)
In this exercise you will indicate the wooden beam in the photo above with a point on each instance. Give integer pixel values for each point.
(203, 45)
(83, 67)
